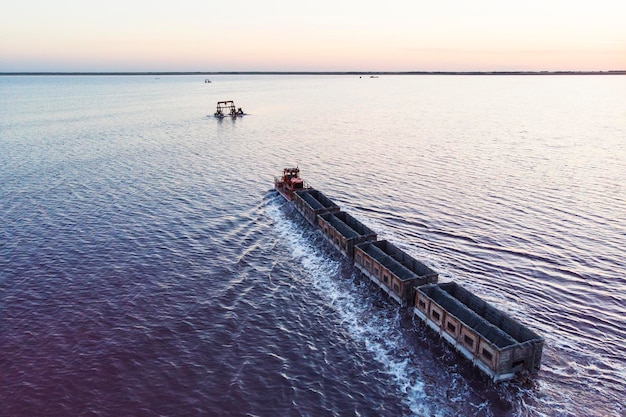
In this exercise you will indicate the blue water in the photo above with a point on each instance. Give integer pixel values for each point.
(146, 267)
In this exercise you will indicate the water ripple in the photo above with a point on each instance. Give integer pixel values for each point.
(145, 270)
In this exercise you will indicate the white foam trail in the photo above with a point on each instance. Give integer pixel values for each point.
(379, 335)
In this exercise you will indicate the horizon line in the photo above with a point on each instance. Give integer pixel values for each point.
(565, 72)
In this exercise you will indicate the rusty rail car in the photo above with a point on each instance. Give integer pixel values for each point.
(494, 342)
(311, 203)
(498, 345)
(393, 270)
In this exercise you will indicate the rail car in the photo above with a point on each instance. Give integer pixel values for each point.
(290, 182)
(493, 341)
(312, 203)
(497, 344)
(393, 270)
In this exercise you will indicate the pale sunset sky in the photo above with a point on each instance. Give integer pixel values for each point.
(322, 35)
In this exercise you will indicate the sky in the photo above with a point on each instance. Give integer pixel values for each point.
(321, 35)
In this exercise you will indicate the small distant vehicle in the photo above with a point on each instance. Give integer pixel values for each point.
(227, 108)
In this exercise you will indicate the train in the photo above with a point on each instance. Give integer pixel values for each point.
(494, 342)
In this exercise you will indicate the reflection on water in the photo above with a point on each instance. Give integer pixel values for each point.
(144, 266)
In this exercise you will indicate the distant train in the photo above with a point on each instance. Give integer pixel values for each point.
(497, 344)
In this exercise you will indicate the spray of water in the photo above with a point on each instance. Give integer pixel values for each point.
(377, 333)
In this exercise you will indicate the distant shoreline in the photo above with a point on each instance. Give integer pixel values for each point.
(361, 73)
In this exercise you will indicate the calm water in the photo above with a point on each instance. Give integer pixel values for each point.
(147, 269)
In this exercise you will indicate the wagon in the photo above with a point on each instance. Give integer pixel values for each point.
(344, 231)
(393, 270)
(497, 344)
(289, 182)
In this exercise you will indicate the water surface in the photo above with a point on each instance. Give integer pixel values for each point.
(146, 268)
